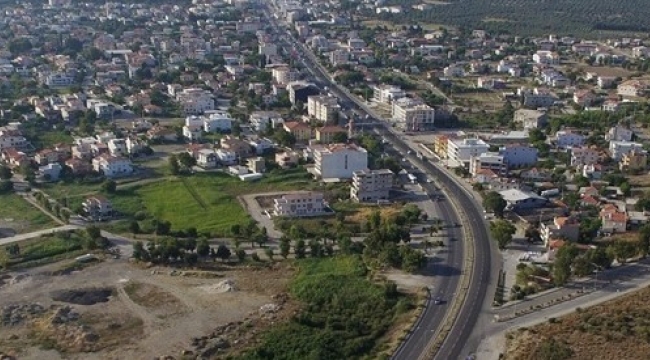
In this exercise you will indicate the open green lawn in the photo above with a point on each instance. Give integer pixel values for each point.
(21, 216)
(206, 201)
(45, 249)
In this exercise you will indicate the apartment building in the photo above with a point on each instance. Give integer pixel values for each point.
(462, 150)
(262, 120)
(386, 94)
(488, 161)
(195, 101)
(284, 75)
(323, 108)
(516, 155)
(371, 185)
(413, 115)
(112, 166)
(339, 161)
(581, 156)
(619, 148)
(298, 205)
(567, 138)
(97, 208)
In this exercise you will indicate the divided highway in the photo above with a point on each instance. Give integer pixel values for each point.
(417, 342)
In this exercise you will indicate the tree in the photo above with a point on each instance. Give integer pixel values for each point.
(203, 247)
(375, 219)
(186, 160)
(224, 253)
(599, 257)
(261, 237)
(5, 172)
(190, 258)
(190, 244)
(623, 250)
(241, 254)
(139, 252)
(174, 166)
(315, 248)
(494, 202)
(269, 253)
(109, 186)
(299, 249)
(502, 231)
(93, 232)
(285, 246)
(163, 227)
(582, 266)
(562, 264)
(134, 227)
(644, 240)
(6, 187)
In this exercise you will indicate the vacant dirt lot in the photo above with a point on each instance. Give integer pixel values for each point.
(619, 329)
(118, 310)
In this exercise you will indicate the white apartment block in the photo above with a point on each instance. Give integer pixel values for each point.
(386, 94)
(284, 75)
(339, 161)
(117, 147)
(112, 166)
(581, 156)
(413, 115)
(488, 161)
(295, 205)
(462, 150)
(516, 156)
(619, 148)
(195, 101)
(226, 157)
(566, 139)
(371, 185)
(262, 120)
(217, 122)
(323, 108)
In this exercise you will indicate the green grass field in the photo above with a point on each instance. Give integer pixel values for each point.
(206, 201)
(45, 249)
(21, 216)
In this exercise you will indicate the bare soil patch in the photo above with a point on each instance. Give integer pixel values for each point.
(154, 299)
(590, 333)
(89, 296)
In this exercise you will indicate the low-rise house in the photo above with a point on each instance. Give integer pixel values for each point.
(82, 151)
(47, 156)
(15, 158)
(484, 176)
(301, 131)
(97, 208)
(328, 134)
(262, 145)
(634, 160)
(613, 220)
(520, 200)
(262, 120)
(238, 146)
(12, 139)
(226, 157)
(79, 167)
(567, 138)
(371, 185)
(161, 133)
(535, 175)
(206, 158)
(619, 133)
(257, 165)
(302, 204)
(633, 88)
(562, 227)
(50, 172)
(488, 161)
(112, 166)
(531, 119)
(117, 147)
(287, 159)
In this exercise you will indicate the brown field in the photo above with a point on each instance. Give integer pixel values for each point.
(608, 71)
(618, 329)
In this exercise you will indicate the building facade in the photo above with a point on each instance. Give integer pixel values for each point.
(339, 161)
(297, 205)
(371, 185)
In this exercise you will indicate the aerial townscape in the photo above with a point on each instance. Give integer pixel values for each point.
(340, 179)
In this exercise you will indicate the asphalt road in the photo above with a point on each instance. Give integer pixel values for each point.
(477, 292)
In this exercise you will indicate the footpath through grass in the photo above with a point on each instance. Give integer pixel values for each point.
(20, 216)
(344, 314)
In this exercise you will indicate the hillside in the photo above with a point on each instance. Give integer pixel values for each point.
(590, 333)
(531, 17)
